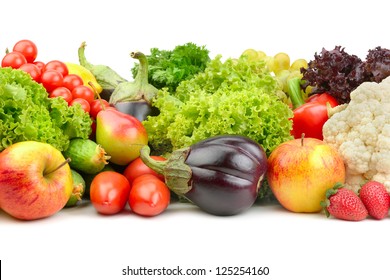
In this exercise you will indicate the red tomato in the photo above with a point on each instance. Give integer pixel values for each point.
(83, 92)
(109, 192)
(51, 79)
(83, 103)
(33, 70)
(137, 168)
(149, 196)
(14, 60)
(96, 106)
(27, 48)
(62, 92)
(58, 66)
(71, 81)
(40, 65)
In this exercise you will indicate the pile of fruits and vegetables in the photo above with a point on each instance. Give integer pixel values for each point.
(221, 134)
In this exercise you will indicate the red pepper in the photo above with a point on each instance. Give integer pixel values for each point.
(310, 116)
(323, 98)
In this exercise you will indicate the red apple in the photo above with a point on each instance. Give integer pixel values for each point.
(301, 170)
(35, 180)
(122, 136)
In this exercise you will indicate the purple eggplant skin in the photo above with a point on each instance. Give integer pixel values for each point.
(139, 109)
(227, 172)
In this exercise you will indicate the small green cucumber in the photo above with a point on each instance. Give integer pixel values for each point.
(86, 156)
(78, 189)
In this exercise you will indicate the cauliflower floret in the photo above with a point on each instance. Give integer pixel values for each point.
(360, 132)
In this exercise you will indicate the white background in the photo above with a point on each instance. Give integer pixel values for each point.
(80, 244)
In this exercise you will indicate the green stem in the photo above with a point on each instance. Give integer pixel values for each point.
(82, 59)
(176, 172)
(294, 91)
(158, 166)
(142, 74)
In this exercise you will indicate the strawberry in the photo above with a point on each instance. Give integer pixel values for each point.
(343, 203)
(376, 199)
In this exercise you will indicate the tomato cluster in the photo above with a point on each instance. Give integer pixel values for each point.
(54, 76)
(138, 186)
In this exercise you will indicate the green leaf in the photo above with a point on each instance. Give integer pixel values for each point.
(27, 113)
(231, 97)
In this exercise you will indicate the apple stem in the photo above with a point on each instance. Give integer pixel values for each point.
(98, 95)
(59, 166)
(302, 137)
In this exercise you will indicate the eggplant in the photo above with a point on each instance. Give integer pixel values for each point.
(139, 109)
(106, 77)
(221, 175)
(135, 97)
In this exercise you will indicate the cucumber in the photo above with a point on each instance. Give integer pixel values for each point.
(86, 156)
(78, 189)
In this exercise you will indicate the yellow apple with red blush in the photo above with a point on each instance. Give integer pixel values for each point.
(35, 180)
(301, 170)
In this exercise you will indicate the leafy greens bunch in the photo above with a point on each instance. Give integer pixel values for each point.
(237, 96)
(167, 68)
(27, 113)
(339, 73)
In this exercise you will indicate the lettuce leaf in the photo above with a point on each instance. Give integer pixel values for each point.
(27, 113)
(232, 97)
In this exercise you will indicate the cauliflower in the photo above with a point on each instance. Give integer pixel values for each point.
(360, 131)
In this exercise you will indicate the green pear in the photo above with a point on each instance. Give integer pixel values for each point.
(122, 136)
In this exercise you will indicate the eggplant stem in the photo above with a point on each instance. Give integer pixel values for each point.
(177, 174)
(142, 75)
(83, 60)
(156, 165)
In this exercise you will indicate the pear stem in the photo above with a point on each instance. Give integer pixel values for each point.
(98, 95)
(59, 166)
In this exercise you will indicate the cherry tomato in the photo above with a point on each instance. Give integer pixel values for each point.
(14, 60)
(149, 196)
(51, 79)
(96, 106)
(137, 168)
(83, 92)
(27, 48)
(40, 65)
(33, 70)
(109, 192)
(83, 103)
(71, 81)
(62, 92)
(58, 66)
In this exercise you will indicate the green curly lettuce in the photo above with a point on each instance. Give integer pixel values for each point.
(27, 113)
(167, 68)
(232, 97)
